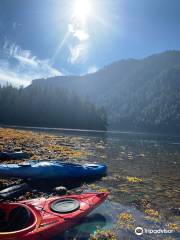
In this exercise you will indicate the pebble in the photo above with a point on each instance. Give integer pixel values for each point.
(60, 190)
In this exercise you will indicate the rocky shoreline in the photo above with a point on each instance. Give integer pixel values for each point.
(40, 146)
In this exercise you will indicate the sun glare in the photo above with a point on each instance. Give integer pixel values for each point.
(82, 9)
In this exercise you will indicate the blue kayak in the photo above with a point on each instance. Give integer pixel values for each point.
(13, 155)
(51, 169)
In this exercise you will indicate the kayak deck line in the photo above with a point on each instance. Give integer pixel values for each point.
(47, 224)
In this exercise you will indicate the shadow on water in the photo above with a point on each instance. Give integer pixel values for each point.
(85, 228)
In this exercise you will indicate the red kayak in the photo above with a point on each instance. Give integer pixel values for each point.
(41, 219)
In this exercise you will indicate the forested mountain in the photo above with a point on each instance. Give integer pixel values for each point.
(142, 95)
(137, 95)
(49, 107)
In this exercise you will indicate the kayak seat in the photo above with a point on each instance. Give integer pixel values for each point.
(18, 219)
(3, 223)
(2, 215)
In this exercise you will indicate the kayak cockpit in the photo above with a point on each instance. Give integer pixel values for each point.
(16, 219)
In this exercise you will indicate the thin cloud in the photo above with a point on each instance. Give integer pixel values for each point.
(27, 61)
(24, 57)
(15, 78)
(77, 53)
(78, 31)
(25, 66)
(81, 35)
(92, 69)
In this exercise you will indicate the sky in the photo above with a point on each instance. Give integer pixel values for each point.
(44, 38)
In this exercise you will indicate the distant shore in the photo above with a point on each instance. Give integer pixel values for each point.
(59, 131)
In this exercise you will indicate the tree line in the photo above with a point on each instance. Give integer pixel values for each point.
(43, 106)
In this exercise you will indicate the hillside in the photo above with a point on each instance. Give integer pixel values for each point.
(138, 95)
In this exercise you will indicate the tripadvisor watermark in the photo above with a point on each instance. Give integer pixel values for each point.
(139, 231)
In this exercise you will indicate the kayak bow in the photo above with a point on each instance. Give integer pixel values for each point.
(39, 219)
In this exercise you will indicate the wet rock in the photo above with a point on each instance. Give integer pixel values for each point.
(142, 155)
(60, 190)
(175, 211)
(21, 198)
(34, 191)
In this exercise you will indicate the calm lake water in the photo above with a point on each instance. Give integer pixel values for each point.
(152, 161)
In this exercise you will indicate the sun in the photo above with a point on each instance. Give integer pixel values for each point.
(82, 9)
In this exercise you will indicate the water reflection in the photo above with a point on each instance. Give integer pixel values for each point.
(88, 226)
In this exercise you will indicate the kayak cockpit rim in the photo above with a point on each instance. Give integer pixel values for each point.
(35, 222)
